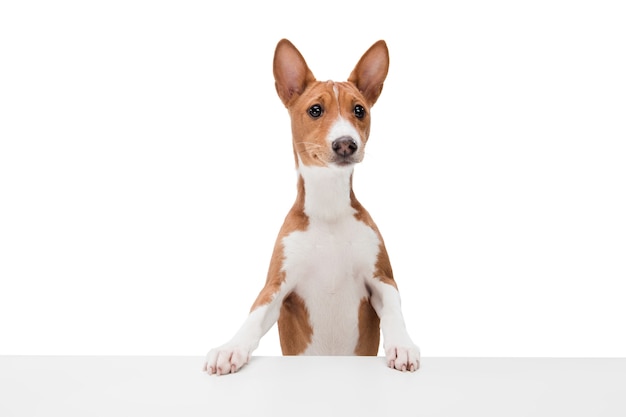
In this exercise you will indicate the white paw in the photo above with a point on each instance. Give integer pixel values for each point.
(226, 359)
(403, 357)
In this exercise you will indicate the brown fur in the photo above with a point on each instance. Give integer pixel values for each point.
(383, 265)
(309, 134)
(295, 220)
(293, 325)
(369, 330)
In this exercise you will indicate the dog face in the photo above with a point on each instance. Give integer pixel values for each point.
(330, 124)
(330, 121)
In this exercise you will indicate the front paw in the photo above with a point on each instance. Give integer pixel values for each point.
(226, 359)
(403, 357)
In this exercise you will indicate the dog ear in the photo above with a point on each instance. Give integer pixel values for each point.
(371, 71)
(291, 72)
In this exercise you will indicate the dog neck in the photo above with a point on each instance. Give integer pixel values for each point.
(326, 191)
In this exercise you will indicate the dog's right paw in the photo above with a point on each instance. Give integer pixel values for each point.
(403, 357)
(226, 359)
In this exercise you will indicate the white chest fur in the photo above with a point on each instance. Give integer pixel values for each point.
(328, 264)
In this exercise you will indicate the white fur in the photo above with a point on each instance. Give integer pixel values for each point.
(342, 127)
(327, 191)
(234, 354)
(399, 348)
(328, 264)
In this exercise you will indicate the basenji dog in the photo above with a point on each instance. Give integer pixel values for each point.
(330, 285)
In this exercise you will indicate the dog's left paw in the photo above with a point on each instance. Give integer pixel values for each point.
(227, 359)
(404, 357)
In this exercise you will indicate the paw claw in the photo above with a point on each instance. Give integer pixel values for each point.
(226, 359)
(403, 358)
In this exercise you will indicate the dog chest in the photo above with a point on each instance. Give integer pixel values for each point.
(330, 255)
(327, 265)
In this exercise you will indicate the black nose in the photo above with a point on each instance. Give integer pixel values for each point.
(344, 146)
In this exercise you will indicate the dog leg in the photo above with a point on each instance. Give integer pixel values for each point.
(231, 356)
(400, 351)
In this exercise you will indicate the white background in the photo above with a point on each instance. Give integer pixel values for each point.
(146, 166)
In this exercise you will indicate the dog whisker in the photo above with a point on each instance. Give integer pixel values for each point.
(307, 144)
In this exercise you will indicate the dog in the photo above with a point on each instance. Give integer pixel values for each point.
(330, 285)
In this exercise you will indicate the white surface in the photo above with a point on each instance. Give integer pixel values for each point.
(311, 386)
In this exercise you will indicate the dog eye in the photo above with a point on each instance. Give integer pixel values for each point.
(359, 111)
(315, 111)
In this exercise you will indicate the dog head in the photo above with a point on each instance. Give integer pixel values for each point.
(330, 121)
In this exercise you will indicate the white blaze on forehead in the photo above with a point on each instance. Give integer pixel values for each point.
(342, 127)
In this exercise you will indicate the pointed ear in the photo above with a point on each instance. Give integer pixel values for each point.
(371, 71)
(291, 72)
